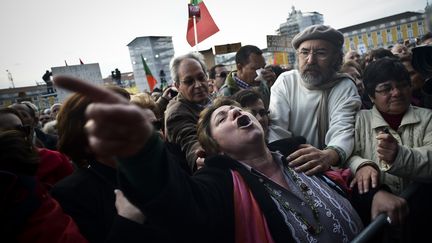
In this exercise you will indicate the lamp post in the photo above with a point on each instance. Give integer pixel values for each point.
(10, 78)
(162, 76)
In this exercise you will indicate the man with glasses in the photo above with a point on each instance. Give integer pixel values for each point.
(251, 73)
(181, 116)
(316, 102)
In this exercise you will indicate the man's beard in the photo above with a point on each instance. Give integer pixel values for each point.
(313, 76)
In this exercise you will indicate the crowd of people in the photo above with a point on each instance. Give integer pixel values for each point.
(254, 154)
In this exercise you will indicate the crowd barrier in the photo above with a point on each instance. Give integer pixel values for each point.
(381, 220)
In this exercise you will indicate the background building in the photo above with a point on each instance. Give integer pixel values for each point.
(38, 95)
(157, 52)
(296, 22)
(384, 32)
(89, 72)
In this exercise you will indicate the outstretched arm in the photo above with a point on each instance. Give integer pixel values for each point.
(114, 127)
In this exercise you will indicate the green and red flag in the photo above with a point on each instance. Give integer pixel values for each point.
(205, 25)
(150, 79)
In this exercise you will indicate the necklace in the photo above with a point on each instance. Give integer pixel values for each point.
(314, 230)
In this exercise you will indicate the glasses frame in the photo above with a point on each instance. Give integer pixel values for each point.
(387, 91)
(188, 82)
(318, 54)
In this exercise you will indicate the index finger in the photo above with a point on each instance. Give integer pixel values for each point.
(95, 93)
(301, 149)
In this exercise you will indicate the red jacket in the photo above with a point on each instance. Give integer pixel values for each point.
(29, 214)
(53, 166)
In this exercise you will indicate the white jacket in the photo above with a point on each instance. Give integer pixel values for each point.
(414, 158)
(293, 112)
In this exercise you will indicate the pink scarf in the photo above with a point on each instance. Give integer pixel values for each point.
(250, 223)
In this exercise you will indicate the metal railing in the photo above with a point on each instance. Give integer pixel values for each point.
(381, 220)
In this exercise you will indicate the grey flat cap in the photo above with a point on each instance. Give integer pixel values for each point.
(320, 32)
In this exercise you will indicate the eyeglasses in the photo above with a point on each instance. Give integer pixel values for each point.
(319, 54)
(262, 112)
(157, 124)
(222, 75)
(387, 88)
(191, 81)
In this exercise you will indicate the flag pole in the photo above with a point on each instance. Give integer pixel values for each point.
(195, 33)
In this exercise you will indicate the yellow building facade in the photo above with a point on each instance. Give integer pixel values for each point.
(384, 32)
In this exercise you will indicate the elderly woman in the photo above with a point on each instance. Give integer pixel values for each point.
(243, 194)
(393, 140)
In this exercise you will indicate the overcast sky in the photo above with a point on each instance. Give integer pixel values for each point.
(40, 34)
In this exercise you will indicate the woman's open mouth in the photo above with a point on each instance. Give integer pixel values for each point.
(243, 121)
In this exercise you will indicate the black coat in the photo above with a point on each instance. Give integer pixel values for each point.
(88, 197)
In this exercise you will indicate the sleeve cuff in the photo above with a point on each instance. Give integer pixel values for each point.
(341, 153)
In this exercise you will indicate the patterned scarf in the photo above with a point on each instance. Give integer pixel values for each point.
(322, 117)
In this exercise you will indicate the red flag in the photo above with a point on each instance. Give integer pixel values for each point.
(205, 24)
(81, 62)
(150, 79)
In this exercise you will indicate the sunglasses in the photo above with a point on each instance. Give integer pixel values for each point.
(222, 75)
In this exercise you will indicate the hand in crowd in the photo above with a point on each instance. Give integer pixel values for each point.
(114, 127)
(365, 177)
(169, 93)
(395, 207)
(268, 75)
(311, 160)
(127, 209)
(387, 148)
(200, 153)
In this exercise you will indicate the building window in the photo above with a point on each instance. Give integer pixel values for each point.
(399, 34)
(379, 38)
(410, 32)
(389, 37)
(370, 42)
(420, 28)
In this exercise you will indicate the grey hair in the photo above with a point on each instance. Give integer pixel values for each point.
(175, 63)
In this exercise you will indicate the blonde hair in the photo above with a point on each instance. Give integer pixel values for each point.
(145, 101)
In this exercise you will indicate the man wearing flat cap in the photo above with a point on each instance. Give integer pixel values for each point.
(316, 102)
